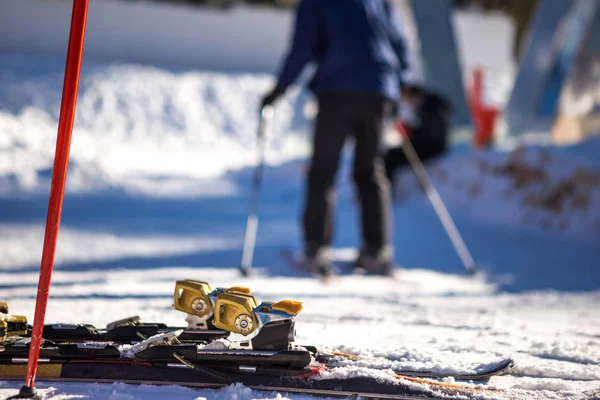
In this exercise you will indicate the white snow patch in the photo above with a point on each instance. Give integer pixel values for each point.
(541, 187)
(588, 353)
(146, 130)
(545, 384)
(21, 245)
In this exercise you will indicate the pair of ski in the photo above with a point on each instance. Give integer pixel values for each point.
(173, 361)
(85, 341)
(230, 338)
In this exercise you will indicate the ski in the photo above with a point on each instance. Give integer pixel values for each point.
(329, 358)
(198, 376)
(132, 333)
(183, 376)
(482, 372)
(170, 363)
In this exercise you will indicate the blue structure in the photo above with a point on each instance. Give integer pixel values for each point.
(442, 69)
(562, 39)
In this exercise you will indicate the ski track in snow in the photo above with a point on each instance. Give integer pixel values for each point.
(170, 200)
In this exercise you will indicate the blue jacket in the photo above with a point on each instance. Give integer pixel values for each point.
(356, 45)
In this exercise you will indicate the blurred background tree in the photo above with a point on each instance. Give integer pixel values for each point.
(521, 11)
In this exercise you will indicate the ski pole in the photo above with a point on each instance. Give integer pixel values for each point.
(437, 203)
(57, 190)
(266, 117)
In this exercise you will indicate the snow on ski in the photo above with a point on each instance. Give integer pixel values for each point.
(335, 358)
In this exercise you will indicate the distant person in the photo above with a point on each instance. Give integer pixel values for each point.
(428, 129)
(359, 53)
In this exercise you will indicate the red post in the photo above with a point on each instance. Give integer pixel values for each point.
(476, 99)
(59, 177)
(484, 116)
(477, 94)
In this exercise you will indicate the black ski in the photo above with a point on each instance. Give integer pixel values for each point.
(482, 373)
(158, 354)
(131, 334)
(192, 375)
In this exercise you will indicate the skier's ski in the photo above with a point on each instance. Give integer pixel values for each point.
(88, 337)
(369, 387)
(483, 372)
(226, 358)
(161, 350)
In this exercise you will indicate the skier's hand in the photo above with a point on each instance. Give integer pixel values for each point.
(272, 96)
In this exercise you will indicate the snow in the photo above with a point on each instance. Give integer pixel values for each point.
(157, 33)
(183, 127)
(81, 245)
(538, 187)
(157, 191)
(118, 391)
(416, 321)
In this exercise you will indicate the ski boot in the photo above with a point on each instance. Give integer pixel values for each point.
(313, 260)
(251, 326)
(11, 325)
(371, 262)
(317, 259)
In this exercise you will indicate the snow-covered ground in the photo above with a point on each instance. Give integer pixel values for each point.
(421, 320)
(158, 187)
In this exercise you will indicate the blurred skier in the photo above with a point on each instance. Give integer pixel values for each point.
(427, 126)
(359, 52)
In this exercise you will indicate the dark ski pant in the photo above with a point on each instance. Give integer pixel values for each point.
(362, 117)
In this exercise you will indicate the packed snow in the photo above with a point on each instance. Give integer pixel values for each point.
(157, 191)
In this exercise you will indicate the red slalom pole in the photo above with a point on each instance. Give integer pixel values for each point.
(59, 177)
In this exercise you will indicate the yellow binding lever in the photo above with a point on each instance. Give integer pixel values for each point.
(3, 307)
(291, 307)
(19, 325)
(3, 331)
(238, 289)
(191, 297)
(236, 313)
(12, 325)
